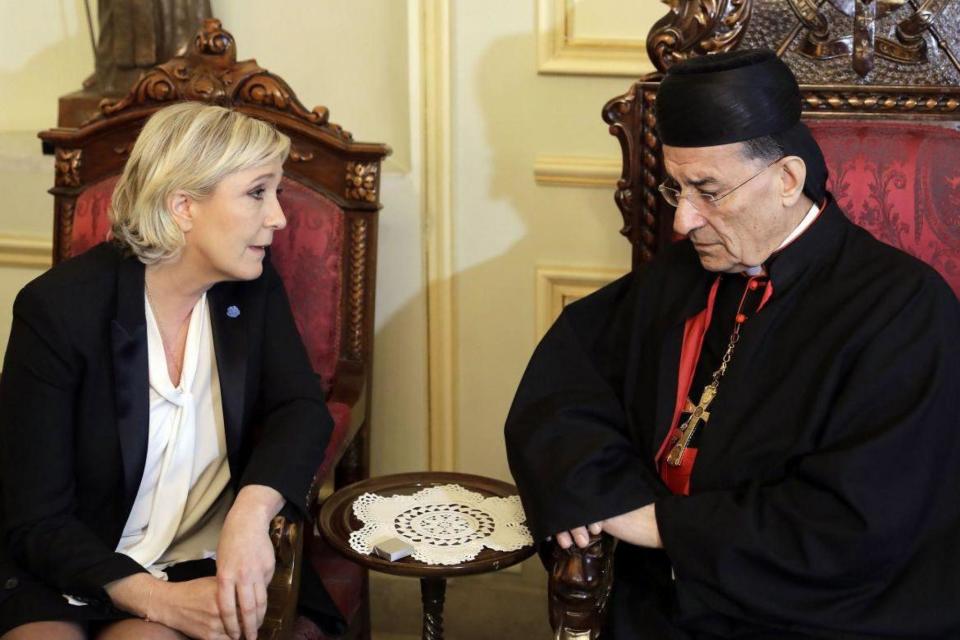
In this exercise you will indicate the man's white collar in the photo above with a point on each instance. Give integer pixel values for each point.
(800, 228)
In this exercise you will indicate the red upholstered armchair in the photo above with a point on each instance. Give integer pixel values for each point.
(880, 81)
(326, 256)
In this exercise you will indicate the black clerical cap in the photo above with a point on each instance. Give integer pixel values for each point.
(737, 96)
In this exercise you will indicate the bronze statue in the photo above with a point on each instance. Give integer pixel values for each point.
(135, 35)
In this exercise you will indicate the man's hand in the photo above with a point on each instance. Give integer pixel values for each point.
(637, 527)
(245, 560)
(580, 535)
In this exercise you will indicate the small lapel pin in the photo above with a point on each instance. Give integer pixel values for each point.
(233, 311)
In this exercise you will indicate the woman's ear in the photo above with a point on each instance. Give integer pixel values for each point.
(181, 206)
(792, 178)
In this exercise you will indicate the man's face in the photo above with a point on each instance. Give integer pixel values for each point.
(743, 228)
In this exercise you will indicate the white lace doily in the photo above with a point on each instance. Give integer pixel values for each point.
(445, 524)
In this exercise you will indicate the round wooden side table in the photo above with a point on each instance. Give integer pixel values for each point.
(337, 522)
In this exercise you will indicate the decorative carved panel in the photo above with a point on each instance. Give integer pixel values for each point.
(209, 72)
(67, 165)
(895, 42)
(64, 223)
(697, 28)
(358, 288)
(362, 181)
(632, 120)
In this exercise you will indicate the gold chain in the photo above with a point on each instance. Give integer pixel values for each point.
(163, 343)
(728, 354)
(701, 413)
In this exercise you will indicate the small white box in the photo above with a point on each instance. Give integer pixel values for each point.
(392, 549)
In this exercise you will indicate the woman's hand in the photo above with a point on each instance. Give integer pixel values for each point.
(189, 607)
(245, 560)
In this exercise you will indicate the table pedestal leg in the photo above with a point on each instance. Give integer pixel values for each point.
(432, 593)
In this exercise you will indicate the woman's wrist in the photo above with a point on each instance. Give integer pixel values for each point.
(258, 501)
(135, 594)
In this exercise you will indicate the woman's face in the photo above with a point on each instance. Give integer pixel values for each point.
(227, 233)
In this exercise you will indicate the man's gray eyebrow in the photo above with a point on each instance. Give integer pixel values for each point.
(702, 182)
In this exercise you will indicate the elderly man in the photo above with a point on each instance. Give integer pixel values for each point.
(767, 416)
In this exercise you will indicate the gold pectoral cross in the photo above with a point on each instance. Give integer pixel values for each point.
(698, 414)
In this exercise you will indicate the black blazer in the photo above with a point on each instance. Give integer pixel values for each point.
(74, 413)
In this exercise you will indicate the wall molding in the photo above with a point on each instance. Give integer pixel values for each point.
(559, 286)
(576, 171)
(438, 217)
(25, 251)
(560, 52)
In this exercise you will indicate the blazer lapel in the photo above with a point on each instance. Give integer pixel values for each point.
(131, 375)
(230, 345)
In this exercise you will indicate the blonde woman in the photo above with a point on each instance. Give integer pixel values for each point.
(133, 379)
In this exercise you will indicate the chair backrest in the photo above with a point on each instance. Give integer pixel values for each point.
(881, 88)
(327, 254)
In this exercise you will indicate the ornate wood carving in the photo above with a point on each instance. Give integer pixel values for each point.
(358, 287)
(697, 28)
(67, 165)
(432, 595)
(209, 72)
(65, 227)
(910, 31)
(362, 181)
(632, 120)
(863, 44)
(579, 586)
(300, 156)
(287, 539)
(881, 102)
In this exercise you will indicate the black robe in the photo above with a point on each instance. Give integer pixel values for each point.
(825, 498)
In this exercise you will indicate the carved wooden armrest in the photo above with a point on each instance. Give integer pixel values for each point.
(287, 538)
(579, 585)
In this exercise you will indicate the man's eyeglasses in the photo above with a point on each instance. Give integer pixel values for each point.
(673, 195)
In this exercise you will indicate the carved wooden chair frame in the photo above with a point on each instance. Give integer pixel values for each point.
(323, 157)
(580, 580)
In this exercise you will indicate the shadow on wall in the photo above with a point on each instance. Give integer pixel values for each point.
(30, 85)
(33, 87)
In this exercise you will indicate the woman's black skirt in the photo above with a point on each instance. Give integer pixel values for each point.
(36, 602)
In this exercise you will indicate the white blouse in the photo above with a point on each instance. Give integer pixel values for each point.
(184, 493)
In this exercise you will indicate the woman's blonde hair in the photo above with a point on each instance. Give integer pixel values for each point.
(189, 147)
